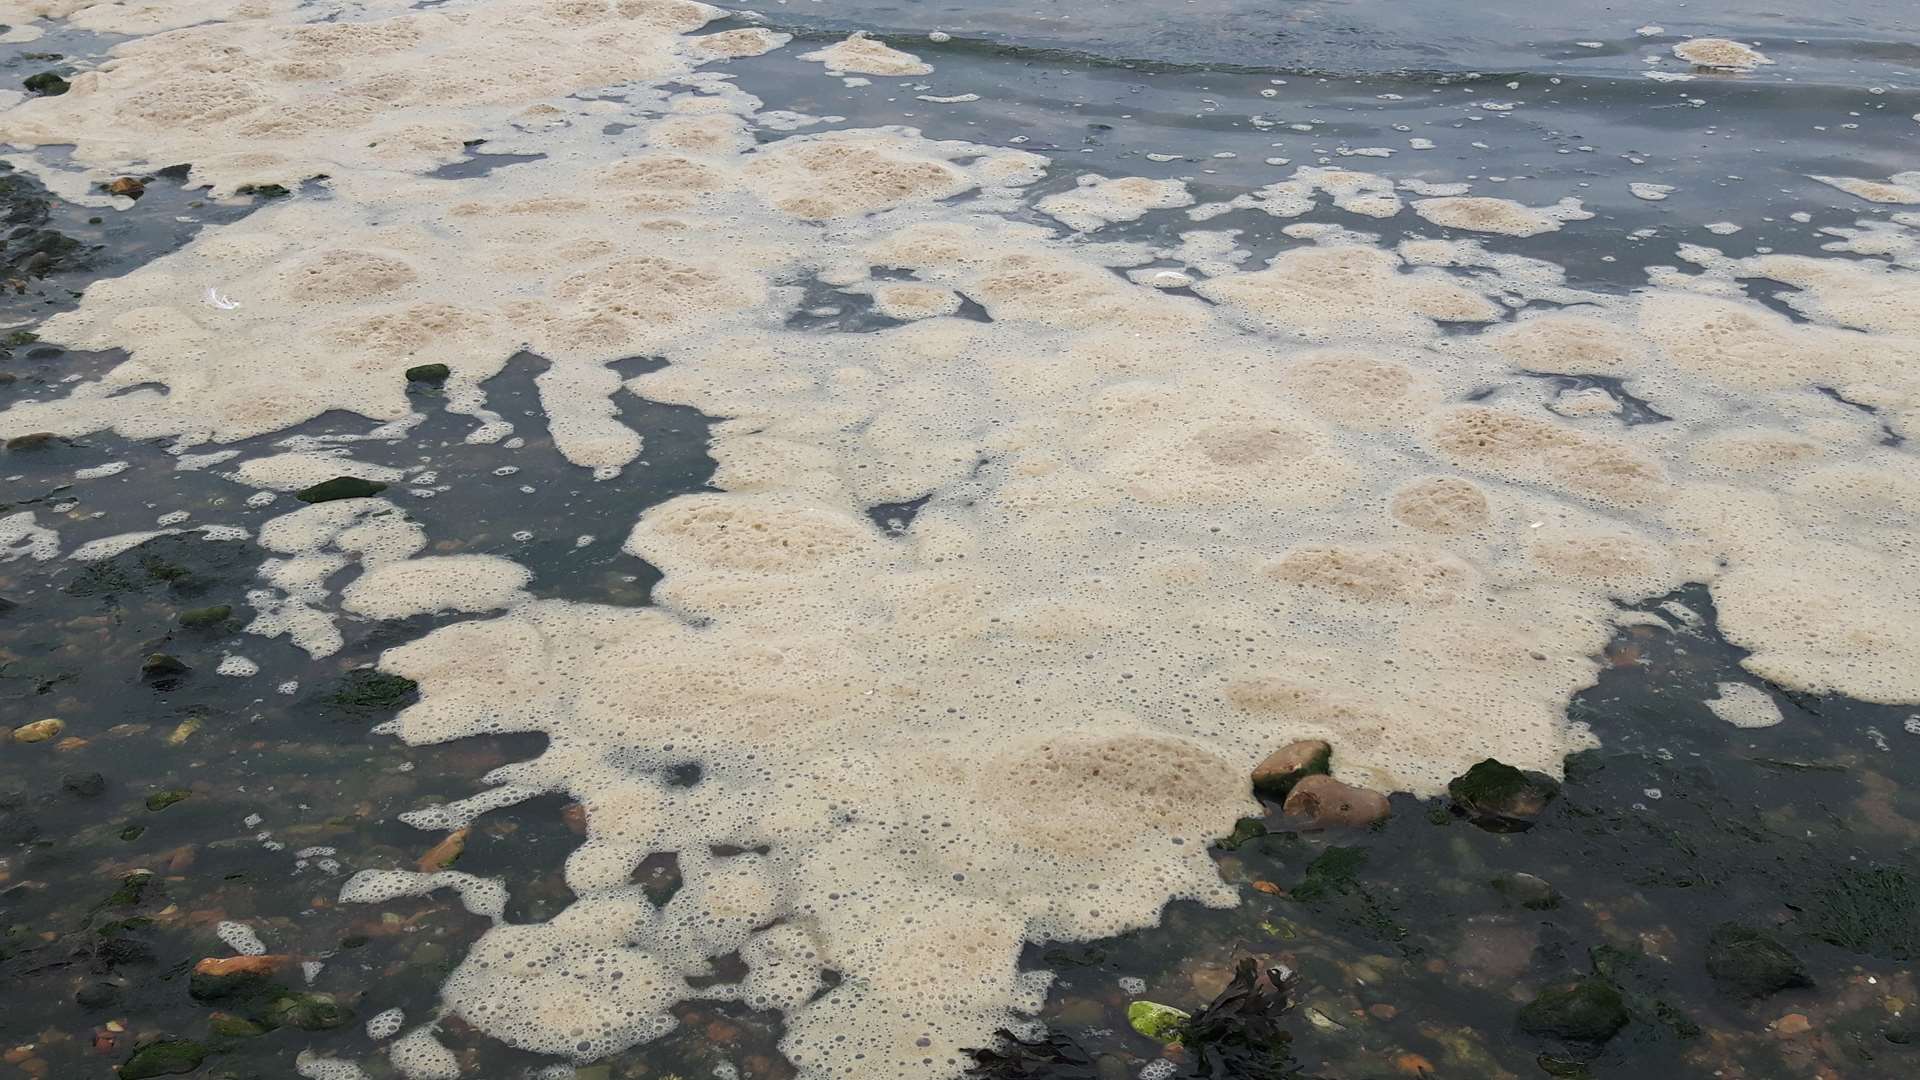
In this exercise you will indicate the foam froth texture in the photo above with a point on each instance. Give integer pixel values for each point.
(1164, 531)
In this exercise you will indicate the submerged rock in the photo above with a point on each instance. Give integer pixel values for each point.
(160, 800)
(84, 785)
(1587, 1010)
(1751, 963)
(1328, 803)
(168, 1057)
(128, 186)
(1527, 891)
(1162, 1023)
(1501, 798)
(1290, 764)
(310, 1012)
(201, 618)
(39, 730)
(218, 977)
(34, 440)
(340, 487)
(161, 665)
(97, 995)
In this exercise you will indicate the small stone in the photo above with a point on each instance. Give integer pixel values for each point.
(1287, 766)
(1161, 1023)
(39, 730)
(167, 1057)
(1382, 1011)
(340, 487)
(1749, 963)
(235, 1027)
(160, 800)
(1501, 798)
(31, 441)
(201, 618)
(217, 977)
(1527, 891)
(429, 373)
(46, 84)
(96, 995)
(1328, 803)
(83, 785)
(310, 1012)
(1791, 1025)
(127, 186)
(446, 852)
(1412, 1065)
(160, 665)
(1586, 1010)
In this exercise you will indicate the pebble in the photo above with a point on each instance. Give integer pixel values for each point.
(1791, 1025)
(39, 730)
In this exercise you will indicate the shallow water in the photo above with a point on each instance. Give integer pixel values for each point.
(251, 799)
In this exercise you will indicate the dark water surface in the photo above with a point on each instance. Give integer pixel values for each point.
(175, 799)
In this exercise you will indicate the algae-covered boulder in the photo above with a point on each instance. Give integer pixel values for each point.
(1501, 798)
(1162, 1023)
(1587, 1010)
(1750, 963)
(429, 373)
(168, 1057)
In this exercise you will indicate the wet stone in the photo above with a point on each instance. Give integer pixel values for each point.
(429, 373)
(83, 785)
(127, 186)
(1587, 1010)
(46, 84)
(1750, 963)
(39, 730)
(1287, 766)
(97, 995)
(34, 440)
(340, 487)
(1501, 798)
(160, 800)
(1161, 1023)
(1527, 891)
(168, 1057)
(1328, 803)
(201, 618)
(310, 1012)
(162, 666)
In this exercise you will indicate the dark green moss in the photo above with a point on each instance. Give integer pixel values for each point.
(264, 191)
(429, 373)
(133, 888)
(310, 1012)
(1587, 1010)
(364, 690)
(1248, 828)
(1874, 911)
(340, 487)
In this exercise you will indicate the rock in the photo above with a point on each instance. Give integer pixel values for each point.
(1527, 891)
(160, 800)
(201, 618)
(235, 1027)
(46, 84)
(218, 977)
(1287, 766)
(264, 191)
(127, 186)
(1244, 830)
(340, 487)
(83, 785)
(31, 441)
(446, 852)
(1791, 1025)
(167, 1057)
(310, 1012)
(161, 666)
(1161, 1023)
(1750, 963)
(1501, 798)
(1332, 804)
(1586, 1010)
(96, 995)
(39, 730)
(429, 373)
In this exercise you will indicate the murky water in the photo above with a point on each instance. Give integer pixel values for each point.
(203, 779)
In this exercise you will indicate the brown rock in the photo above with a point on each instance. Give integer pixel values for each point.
(223, 966)
(1285, 767)
(1791, 1025)
(446, 852)
(1329, 804)
(128, 186)
(38, 731)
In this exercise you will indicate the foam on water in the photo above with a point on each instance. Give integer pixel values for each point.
(1322, 496)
